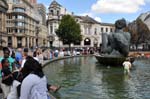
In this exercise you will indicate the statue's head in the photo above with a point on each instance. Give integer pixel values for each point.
(120, 24)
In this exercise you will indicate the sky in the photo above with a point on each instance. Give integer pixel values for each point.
(106, 11)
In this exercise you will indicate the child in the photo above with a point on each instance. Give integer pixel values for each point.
(6, 77)
(127, 66)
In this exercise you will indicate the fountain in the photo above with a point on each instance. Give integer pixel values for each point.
(115, 46)
(85, 78)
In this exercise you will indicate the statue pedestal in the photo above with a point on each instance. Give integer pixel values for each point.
(111, 60)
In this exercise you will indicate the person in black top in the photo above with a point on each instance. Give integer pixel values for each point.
(7, 77)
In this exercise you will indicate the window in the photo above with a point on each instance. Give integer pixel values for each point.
(15, 1)
(52, 12)
(19, 9)
(77, 43)
(57, 12)
(9, 30)
(87, 41)
(19, 42)
(95, 32)
(19, 24)
(19, 31)
(87, 30)
(102, 29)
(19, 17)
(9, 17)
(111, 30)
(9, 41)
(106, 29)
(51, 29)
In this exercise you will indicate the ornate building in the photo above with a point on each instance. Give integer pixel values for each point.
(24, 25)
(3, 33)
(91, 30)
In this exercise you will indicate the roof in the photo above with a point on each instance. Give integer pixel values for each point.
(107, 24)
(147, 17)
(87, 19)
(54, 2)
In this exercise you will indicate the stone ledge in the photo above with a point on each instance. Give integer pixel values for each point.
(46, 62)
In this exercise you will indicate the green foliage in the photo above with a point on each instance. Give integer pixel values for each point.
(69, 30)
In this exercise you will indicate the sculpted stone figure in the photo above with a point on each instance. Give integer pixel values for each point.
(118, 42)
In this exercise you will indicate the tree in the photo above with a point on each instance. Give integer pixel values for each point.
(69, 30)
(132, 28)
(143, 31)
(140, 32)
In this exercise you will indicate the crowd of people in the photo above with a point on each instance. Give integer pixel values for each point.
(21, 75)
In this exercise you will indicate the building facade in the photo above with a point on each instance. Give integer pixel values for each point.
(23, 25)
(42, 11)
(3, 33)
(91, 30)
(33, 1)
(42, 29)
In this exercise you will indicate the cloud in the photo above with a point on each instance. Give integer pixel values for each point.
(117, 6)
(87, 13)
(98, 19)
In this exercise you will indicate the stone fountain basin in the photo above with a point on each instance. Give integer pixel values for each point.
(112, 60)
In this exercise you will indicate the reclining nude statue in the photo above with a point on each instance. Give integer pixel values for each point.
(117, 43)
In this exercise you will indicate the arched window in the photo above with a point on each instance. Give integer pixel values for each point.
(95, 31)
(52, 12)
(87, 41)
(95, 42)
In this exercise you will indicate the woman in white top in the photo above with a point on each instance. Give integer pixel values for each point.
(34, 85)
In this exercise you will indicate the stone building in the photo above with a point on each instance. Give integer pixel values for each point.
(145, 17)
(43, 31)
(91, 30)
(42, 11)
(33, 1)
(23, 24)
(3, 33)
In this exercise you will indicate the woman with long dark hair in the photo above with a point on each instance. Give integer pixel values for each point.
(34, 84)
